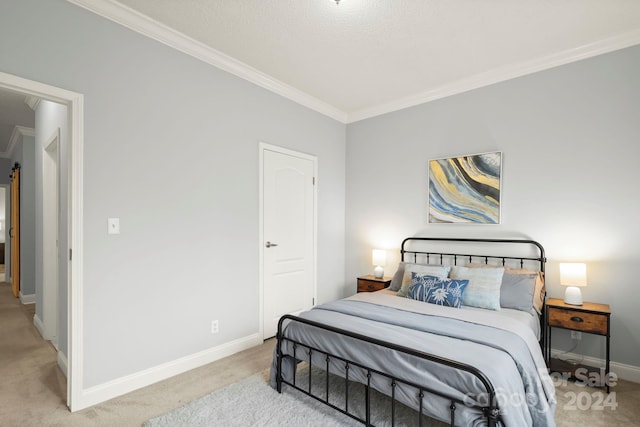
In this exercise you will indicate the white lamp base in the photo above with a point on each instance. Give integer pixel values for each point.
(378, 272)
(573, 295)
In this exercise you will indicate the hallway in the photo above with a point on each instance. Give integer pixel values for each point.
(28, 365)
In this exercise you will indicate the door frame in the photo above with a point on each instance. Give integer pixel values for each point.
(50, 235)
(75, 115)
(262, 147)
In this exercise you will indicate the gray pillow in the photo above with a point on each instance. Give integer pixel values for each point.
(517, 291)
(396, 282)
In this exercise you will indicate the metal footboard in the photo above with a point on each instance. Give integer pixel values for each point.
(490, 410)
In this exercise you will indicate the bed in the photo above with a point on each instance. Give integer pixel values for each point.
(456, 337)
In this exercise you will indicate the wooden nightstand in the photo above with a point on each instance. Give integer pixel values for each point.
(371, 284)
(590, 318)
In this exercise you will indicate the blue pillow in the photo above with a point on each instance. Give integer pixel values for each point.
(445, 292)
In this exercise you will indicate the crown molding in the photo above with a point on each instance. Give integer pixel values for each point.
(501, 74)
(32, 102)
(16, 136)
(135, 21)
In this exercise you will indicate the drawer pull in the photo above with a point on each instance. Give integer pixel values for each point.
(577, 319)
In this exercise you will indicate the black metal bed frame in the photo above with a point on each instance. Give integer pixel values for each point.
(489, 409)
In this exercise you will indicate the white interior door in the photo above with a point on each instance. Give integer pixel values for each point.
(288, 238)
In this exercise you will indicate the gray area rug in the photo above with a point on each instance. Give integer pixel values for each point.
(252, 402)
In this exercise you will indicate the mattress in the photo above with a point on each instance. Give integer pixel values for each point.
(530, 319)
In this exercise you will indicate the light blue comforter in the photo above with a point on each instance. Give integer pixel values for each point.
(512, 363)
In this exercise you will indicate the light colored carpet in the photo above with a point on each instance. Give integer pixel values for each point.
(33, 390)
(252, 402)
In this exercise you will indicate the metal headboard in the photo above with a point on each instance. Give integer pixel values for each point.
(412, 251)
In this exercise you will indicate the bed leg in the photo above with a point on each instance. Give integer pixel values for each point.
(452, 409)
(367, 399)
(278, 364)
(492, 416)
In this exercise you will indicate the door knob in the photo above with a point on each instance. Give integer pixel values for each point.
(269, 244)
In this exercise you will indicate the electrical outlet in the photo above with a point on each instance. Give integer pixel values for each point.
(215, 327)
(113, 225)
(576, 335)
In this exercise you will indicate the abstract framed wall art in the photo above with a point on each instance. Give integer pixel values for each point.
(465, 189)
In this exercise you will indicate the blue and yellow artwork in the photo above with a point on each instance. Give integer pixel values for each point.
(465, 189)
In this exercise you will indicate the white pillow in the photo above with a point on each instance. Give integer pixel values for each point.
(483, 290)
(439, 271)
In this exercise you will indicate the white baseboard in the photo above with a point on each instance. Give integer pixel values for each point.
(27, 299)
(39, 325)
(623, 371)
(63, 363)
(103, 392)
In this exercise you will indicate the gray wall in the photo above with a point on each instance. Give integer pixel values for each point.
(569, 138)
(171, 148)
(5, 170)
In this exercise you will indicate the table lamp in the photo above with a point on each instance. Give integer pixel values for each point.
(379, 259)
(573, 275)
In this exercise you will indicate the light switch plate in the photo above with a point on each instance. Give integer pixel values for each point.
(113, 225)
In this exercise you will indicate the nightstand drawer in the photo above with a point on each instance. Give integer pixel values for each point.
(367, 286)
(578, 320)
(371, 284)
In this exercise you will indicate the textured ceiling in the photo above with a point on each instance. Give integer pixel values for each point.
(362, 54)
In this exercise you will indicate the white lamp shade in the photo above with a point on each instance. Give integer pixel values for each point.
(573, 275)
(379, 257)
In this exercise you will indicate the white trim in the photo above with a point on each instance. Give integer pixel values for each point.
(109, 390)
(502, 74)
(38, 325)
(74, 102)
(32, 102)
(27, 299)
(16, 136)
(622, 370)
(135, 21)
(262, 147)
(75, 325)
(63, 363)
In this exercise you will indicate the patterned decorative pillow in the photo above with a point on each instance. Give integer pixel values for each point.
(484, 286)
(440, 271)
(445, 292)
